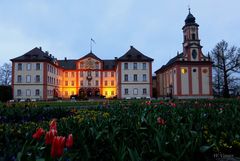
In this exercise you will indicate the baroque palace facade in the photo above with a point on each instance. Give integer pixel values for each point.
(38, 75)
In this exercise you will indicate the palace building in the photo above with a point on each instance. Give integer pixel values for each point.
(38, 75)
(188, 74)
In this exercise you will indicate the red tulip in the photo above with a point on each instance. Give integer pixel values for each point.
(161, 121)
(53, 124)
(39, 132)
(49, 136)
(69, 141)
(57, 146)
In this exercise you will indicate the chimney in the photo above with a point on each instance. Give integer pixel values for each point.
(131, 46)
(115, 58)
(40, 48)
(65, 58)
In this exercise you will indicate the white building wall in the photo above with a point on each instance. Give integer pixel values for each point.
(205, 81)
(195, 81)
(185, 82)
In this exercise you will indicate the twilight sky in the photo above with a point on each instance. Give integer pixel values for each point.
(154, 27)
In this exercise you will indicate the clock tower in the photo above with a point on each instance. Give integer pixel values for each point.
(191, 42)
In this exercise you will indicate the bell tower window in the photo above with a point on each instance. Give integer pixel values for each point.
(194, 54)
(193, 36)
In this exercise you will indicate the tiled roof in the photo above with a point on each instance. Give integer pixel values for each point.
(36, 54)
(67, 64)
(134, 55)
(109, 64)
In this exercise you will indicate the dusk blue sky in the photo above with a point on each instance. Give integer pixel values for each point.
(154, 27)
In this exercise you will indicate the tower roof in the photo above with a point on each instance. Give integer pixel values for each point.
(190, 18)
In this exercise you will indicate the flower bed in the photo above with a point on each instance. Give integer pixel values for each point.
(131, 130)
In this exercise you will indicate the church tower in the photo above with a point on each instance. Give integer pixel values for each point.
(191, 42)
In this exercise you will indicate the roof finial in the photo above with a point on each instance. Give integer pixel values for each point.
(189, 9)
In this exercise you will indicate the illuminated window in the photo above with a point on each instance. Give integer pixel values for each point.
(66, 74)
(112, 93)
(184, 70)
(106, 93)
(112, 83)
(112, 74)
(73, 74)
(205, 71)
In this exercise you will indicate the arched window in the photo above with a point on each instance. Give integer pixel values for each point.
(194, 54)
(193, 36)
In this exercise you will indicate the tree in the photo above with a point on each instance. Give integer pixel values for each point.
(226, 63)
(6, 74)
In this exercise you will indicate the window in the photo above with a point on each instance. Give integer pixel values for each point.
(89, 83)
(112, 74)
(19, 92)
(194, 70)
(135, 91)
(106, 83)
(37, 78)
(112, 93)
(135, 77)
(66, 93)
(72, 83)
(28, 66)
(19, 78)
(144, 77)
(66, 74)
(81, 83)
(96, 83)
(96, 73)
(28, 92)
(19, 67)
(144, 65)
(184, 70)
(193, 36)
(194, 54)
(135, 66)
(106, 93)
(38, 66)
(144, 91)
(125, 77)
(89, 73)
(112, 83)
(28, 79)
(81, 65)
(125, 65)
(81, 73)
(73, 74)
(97, 65)
(37, 92)
(66, 83)
(105, 74)
(126, 91)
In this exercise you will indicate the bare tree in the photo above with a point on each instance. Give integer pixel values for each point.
(6, 74)
(226, 62)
